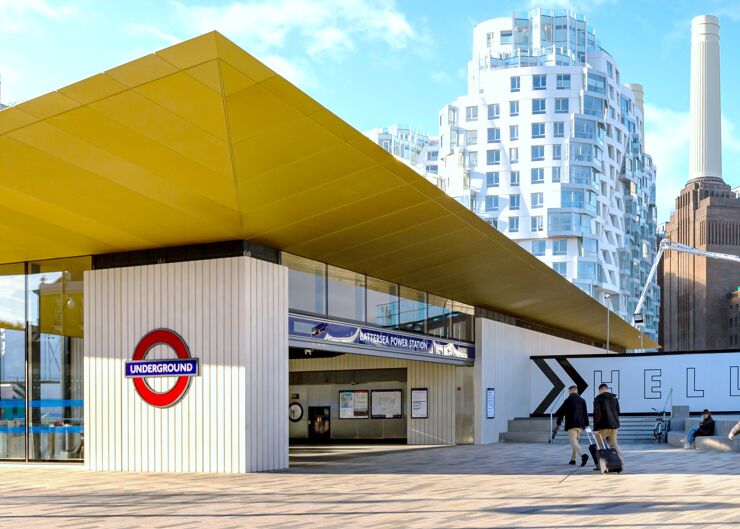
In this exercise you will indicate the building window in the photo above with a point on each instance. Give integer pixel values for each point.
(492, 179)
(346, 294)
(513, 224)
(514, 178)
(557, 152)
(513, 108)
(563, 81)
(537, 223)
(538, 175)
(586, 270)
(515, 84)
(490, 39)
(513, 154)
(494, 135)
(493, 111)
(558, 129)
(539, 82)
(513, 132)
(538, 106)
(561, 105)
(538, 153)
(538, 248)
(472, 159)
(556, 174)
(596, 83)
(506, 37)
(492, 203)
(538, 130)
(471, 113)
(560, 268)
(382, 303)
(493, 157)
(514, 202)
(307, 284)
(560, 247)
(537, 200)
(471, 137)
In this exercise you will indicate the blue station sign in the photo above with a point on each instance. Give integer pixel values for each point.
(162, 368)
(339, 333)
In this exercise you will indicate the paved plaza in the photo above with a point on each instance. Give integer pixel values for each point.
(507, 485)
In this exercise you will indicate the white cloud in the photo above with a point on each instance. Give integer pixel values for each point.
(150, 30)
(441, 77)
(331, 26)
(667, 141)
(579, 6)
(10, 77)
(297, 72)
(17, 16)
(327, 28)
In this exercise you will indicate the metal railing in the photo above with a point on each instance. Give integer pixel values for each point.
(552, 408)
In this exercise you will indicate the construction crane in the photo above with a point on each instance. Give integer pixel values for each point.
(665, 245)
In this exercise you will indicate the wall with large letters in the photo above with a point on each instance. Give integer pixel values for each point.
(643, 382)
(233, 314)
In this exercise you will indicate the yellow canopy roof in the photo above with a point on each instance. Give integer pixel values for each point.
(201, 142)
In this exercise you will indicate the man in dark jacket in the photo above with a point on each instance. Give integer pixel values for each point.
(606, 419)
(705, 427)
(575, 413)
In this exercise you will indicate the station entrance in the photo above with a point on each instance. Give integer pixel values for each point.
(350, 398)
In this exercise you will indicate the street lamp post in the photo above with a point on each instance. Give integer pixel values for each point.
(607, 296)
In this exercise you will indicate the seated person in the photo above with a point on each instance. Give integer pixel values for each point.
(705, 427)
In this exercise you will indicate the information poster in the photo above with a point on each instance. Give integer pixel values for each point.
(386, 404)
(419, 403)
(490, 403)
(353, 404)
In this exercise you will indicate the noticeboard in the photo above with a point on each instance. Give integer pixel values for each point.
(353, 404)
(386, 404)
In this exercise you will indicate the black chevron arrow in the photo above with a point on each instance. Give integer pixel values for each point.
(557, 386)
(573, 374)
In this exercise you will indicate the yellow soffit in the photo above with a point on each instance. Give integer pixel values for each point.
(201, 142)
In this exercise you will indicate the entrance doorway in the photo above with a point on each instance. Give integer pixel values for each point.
(319, 424)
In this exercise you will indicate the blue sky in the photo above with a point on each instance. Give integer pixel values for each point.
(376, 62)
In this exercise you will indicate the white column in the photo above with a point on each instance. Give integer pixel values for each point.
(705, 149)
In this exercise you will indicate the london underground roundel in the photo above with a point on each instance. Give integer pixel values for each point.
(183, 367)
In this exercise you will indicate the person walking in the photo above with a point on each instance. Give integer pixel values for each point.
(606, 419)
(574, 411)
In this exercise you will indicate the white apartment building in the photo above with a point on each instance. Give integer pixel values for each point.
(548, 147)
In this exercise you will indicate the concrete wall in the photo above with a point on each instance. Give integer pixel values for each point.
(439, 428)
(502, 362)
(233, 314)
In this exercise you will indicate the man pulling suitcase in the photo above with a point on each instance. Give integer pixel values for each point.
(606, 422)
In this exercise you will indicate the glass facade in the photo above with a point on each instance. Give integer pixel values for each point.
(41, 359)
(326, 290)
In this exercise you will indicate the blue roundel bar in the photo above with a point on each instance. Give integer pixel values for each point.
(162, 368)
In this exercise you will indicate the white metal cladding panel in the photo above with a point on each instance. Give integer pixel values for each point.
(233, 315)
(504, 352)
(439, 428)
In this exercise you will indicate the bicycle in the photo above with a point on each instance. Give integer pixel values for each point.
(662, 426)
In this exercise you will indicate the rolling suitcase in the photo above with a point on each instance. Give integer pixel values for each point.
(607, 458)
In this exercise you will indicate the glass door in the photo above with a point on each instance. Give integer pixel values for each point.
(55, 359)
(12, 362)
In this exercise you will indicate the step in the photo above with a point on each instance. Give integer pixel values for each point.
(524, 437)
(674, 439)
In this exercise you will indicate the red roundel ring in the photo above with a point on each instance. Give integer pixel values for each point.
(175, 341)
